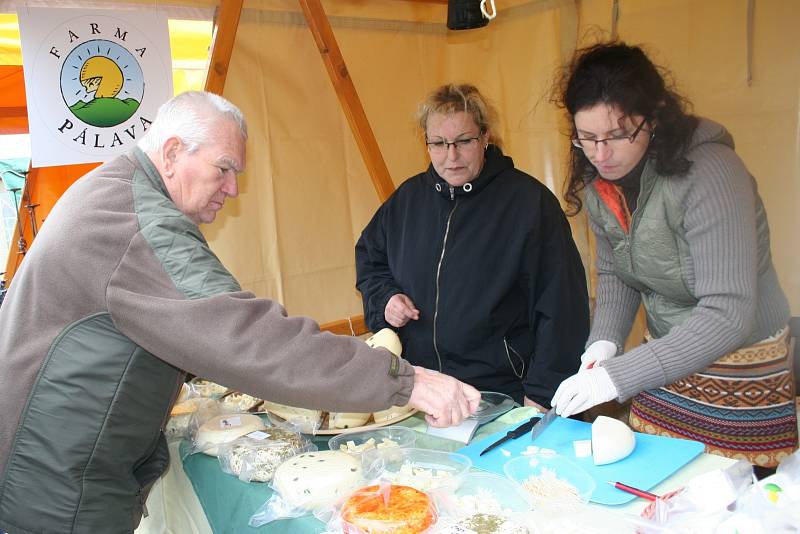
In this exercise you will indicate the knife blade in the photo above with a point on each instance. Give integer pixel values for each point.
(521, 430)
(543, 423)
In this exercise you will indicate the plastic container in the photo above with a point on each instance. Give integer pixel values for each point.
(487, 493)
(423, 469)
(550, 479)
(386, 437)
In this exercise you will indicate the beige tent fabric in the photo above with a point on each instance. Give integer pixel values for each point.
(306, 193)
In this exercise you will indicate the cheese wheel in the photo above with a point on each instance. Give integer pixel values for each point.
(387, 339)
(612, 440)
(396, 509)
(348, 420)
(225, 428)
(315, 479)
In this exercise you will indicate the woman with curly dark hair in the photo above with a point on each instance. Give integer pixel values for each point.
(681, 229)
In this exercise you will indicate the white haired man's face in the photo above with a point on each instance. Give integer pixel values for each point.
(199, 182)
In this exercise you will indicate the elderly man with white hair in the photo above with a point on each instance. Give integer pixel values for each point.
(120, 296)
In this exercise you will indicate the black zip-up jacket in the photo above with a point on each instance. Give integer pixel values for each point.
(494, 272)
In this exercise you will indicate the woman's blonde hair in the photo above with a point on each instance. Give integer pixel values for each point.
(453, 98)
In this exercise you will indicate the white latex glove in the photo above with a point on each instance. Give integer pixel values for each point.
(597, 352)
(583, 390)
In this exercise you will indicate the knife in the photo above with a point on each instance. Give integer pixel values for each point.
(515, 433)
(543, 423)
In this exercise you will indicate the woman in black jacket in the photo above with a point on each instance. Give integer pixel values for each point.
(473, 262)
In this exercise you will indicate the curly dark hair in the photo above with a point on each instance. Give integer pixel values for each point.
(621, 75)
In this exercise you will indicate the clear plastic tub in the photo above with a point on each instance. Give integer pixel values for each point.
(379, 438)
(423, 469)
(550, 478)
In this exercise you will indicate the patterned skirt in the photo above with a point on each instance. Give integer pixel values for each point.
(742, 406)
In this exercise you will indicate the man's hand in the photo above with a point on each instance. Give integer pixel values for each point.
(445, 400)
(399, 310)
(582, 391)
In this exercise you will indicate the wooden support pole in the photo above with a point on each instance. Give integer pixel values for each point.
(226, 23)
(348, 97)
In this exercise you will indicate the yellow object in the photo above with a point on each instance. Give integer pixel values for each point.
(102, 75)
(387, 339)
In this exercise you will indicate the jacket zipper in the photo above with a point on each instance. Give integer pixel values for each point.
(438, 273)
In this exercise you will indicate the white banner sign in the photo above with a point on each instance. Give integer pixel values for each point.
(94, 80)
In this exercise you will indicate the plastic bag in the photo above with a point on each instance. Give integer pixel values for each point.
(386, 508)
(309, 482)
(212, 427)
(255, 456)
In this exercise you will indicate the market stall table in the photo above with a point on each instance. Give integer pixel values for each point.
(196, 497)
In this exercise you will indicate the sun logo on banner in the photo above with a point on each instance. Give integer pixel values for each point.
(102, 83)
(94, 80)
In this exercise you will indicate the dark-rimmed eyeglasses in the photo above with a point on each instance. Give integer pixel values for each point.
(440, 147)
(590, 145)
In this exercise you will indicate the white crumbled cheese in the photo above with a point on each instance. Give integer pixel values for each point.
(421, 478)
(549, 486)
(351, 446)
(239, 402)
(505, 452)
(530, 450)
(482, 502)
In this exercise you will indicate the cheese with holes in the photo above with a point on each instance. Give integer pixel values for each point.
(612, 440)
(387, 339)
(315, 479)
(224, 429)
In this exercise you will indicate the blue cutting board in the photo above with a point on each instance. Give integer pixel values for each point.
(653, 460)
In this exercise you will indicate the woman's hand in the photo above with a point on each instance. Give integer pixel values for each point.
(399, 310)
(582, 391)
(597, 352)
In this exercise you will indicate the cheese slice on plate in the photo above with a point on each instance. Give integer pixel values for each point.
(348, 420)
(303, 416)
(391, 413)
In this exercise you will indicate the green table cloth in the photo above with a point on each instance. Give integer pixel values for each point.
(228, 502)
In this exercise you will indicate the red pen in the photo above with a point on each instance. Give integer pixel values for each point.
(634, 491)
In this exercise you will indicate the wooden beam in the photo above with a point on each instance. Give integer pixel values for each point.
(352, 326)
(225, 26)
(348, 97)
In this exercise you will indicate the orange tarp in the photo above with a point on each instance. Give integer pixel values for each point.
(13, 112)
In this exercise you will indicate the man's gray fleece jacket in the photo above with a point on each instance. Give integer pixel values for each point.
(117, 297)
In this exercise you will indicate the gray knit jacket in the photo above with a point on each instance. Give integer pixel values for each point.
(698, 254)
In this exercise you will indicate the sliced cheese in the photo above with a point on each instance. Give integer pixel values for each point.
(315, 479)
(391, 413)
(386, 338)
(302, 416)
(583, 448)
(348, 420)
(612, 440)
(224, 429)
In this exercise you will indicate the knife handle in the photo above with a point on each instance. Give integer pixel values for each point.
(525, 427)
